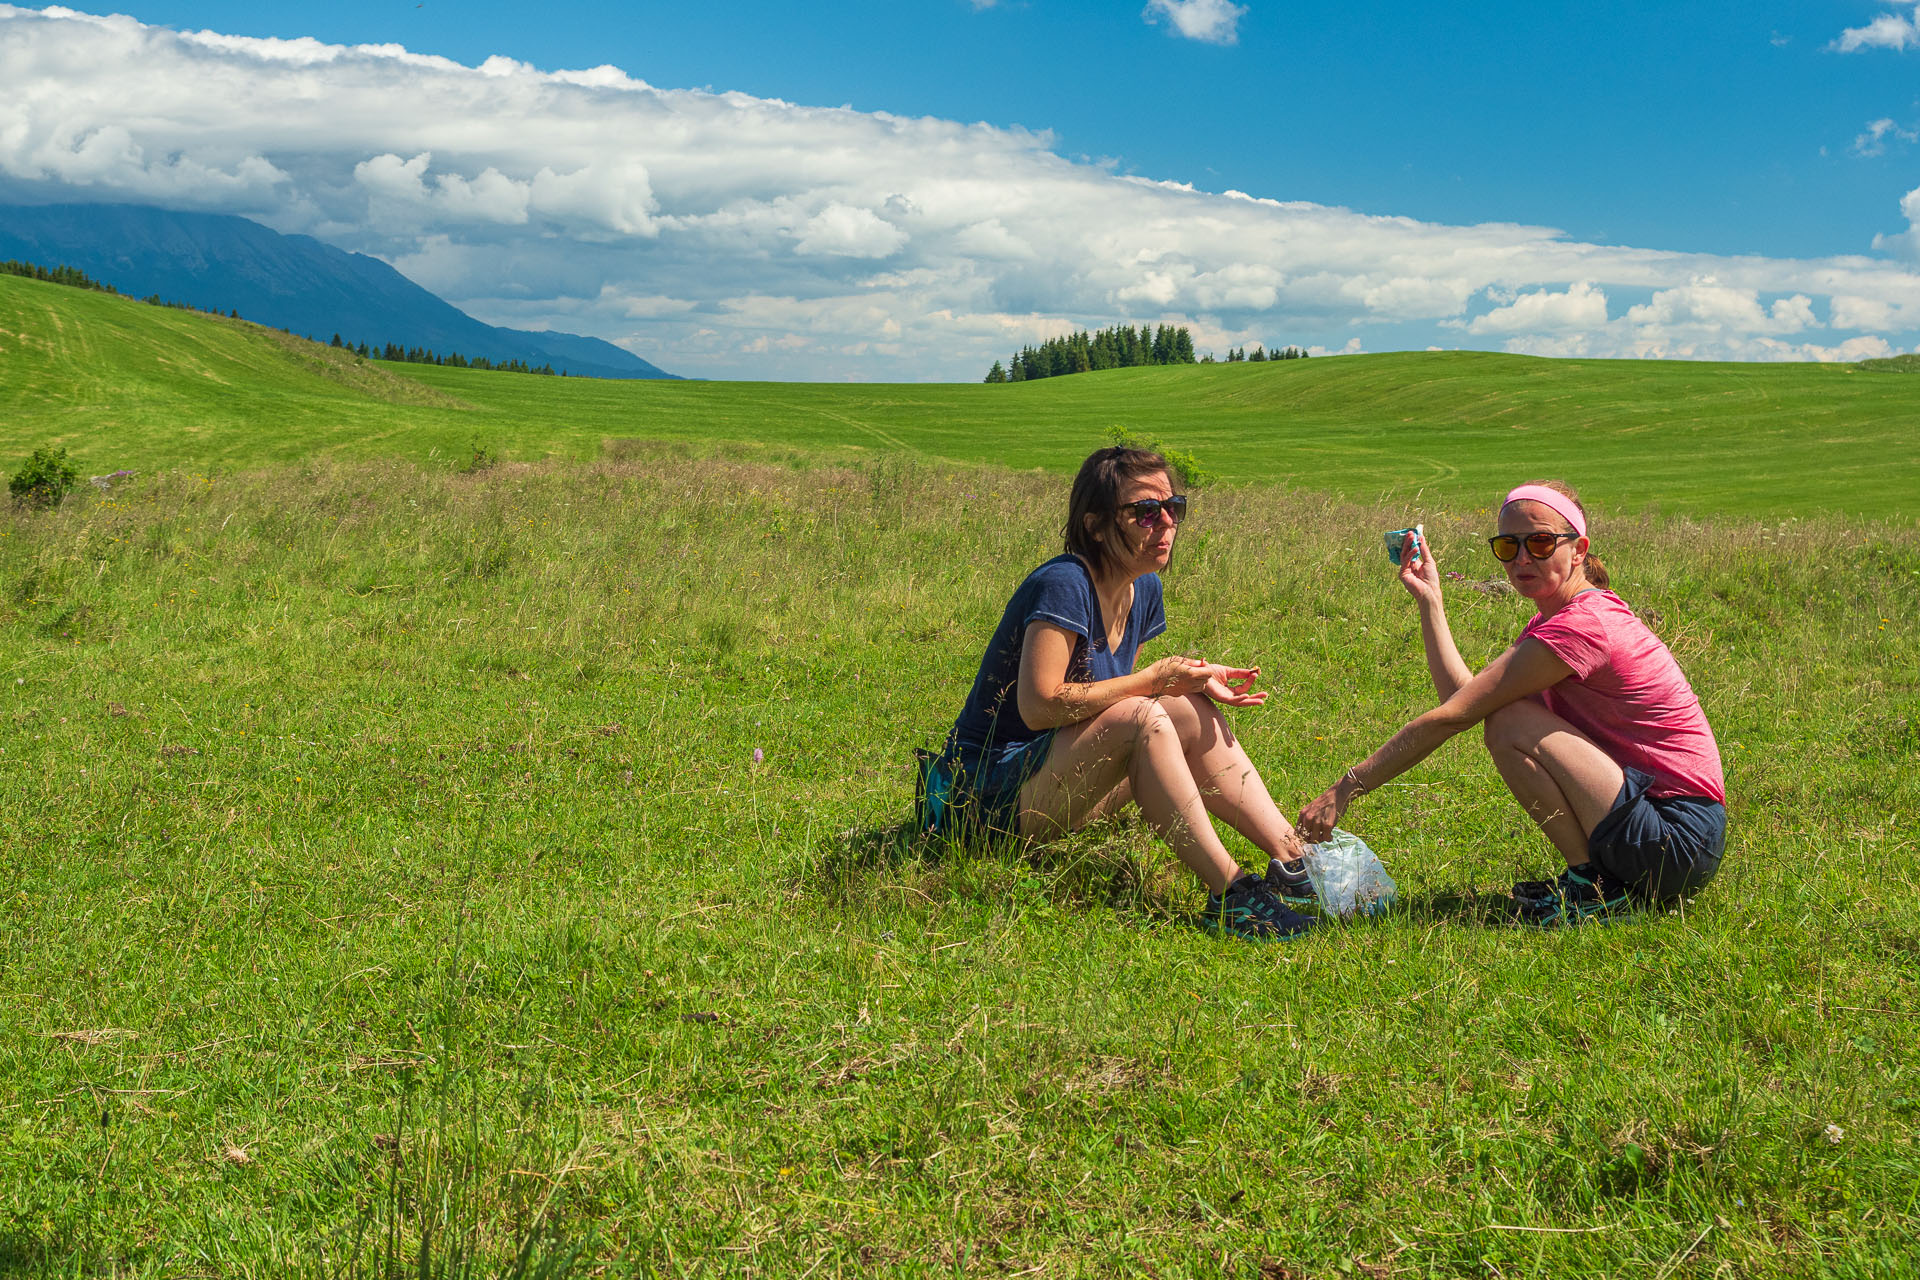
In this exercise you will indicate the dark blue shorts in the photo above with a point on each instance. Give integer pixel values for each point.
(980, 791)
(1661, 847)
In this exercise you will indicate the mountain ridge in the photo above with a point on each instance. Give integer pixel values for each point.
(225, 263)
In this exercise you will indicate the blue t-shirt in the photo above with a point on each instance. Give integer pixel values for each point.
(1061, 592)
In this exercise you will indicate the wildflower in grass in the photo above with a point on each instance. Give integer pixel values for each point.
(1834, 1133)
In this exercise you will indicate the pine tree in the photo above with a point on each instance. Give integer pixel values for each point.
(997, 373)
(1079, 354)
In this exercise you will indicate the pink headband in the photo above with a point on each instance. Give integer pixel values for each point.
(1559, 502)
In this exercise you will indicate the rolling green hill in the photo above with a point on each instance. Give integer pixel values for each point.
(126, 385)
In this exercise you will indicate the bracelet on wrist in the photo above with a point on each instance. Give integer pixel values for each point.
(1359, 787)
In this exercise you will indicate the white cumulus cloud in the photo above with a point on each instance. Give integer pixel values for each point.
(1211, 21)
(1707, 306)
(1873, 142)
(719, 234)
(1887, 31)
(1904, 243)
(845, 231)
(1578, 306)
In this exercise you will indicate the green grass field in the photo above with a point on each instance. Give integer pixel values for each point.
(392, 889)
(126, 385)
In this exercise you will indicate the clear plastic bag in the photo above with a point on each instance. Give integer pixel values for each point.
(1348, 877)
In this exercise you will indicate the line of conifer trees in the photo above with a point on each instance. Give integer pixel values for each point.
(1121, 347)
(1239, 354)
(452, 359)
(72, 277)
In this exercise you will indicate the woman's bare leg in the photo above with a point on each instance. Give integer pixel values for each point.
(1564, 782)
(1132, 745)
(1229, 784)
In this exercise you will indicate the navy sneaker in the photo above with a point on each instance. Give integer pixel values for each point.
(1290, 882)
(1249, 910)
(1581, 893)
(1534, 890)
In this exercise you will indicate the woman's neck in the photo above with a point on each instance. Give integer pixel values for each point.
(1111, 584)
(1563, 597)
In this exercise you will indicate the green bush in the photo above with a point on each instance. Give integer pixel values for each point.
(1192, 473)
(44, 480)
(483, 459)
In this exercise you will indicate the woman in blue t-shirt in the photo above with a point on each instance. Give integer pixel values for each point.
(1060, 729)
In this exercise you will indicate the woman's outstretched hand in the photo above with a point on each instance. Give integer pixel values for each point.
(1419, 574)
(1318, 819)
(1233, 686)
(1177, 674)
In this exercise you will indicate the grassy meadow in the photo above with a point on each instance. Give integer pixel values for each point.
(393, 888)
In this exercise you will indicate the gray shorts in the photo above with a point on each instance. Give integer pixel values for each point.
(1660, 846)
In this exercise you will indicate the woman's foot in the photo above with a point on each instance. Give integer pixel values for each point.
(1581, 893)
(1289, 882)
(1249, 910)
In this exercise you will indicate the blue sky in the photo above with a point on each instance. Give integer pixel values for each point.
(1704, 180)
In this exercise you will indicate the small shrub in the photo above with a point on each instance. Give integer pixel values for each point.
(1191, 472)
(44, 480)
(483, 459)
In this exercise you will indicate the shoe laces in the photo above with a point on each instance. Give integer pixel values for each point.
(1259, 900)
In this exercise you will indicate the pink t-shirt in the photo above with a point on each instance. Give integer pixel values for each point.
(1627, 694)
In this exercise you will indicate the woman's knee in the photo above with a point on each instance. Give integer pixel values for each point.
(1193, 716)
(1511, 729)
(1151, 720)
(1131, 721)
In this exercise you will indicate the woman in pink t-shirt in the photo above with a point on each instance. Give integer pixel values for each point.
(1587, 716)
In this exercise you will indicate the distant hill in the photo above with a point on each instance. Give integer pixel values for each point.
(123, 385)
(217, 262)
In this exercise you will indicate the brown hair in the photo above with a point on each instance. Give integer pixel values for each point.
(1596, 572)
(1096, 493)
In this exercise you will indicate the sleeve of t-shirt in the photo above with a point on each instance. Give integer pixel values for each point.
(1062, 596)
(1576, 636)
(1151, 607)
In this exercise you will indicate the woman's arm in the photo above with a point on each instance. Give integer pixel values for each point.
(1047, 700)
(1420, 575)
(1520, 672)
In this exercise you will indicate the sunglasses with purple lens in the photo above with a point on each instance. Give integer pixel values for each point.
(1146, 514)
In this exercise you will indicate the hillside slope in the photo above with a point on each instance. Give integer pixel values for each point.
(224, 263)
(123, 384)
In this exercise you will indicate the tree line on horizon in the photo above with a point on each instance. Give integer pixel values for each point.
(393, 351)
(1120, 347)
(72, 277)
